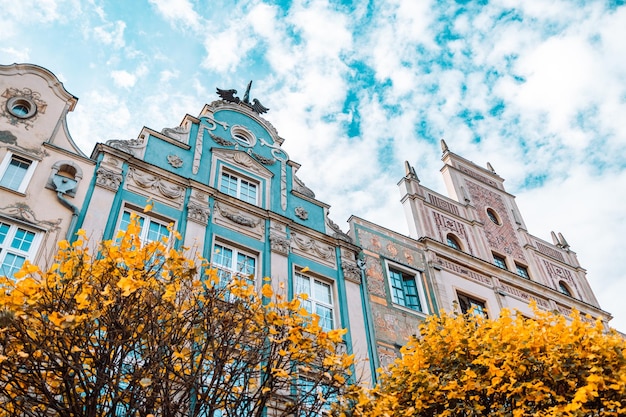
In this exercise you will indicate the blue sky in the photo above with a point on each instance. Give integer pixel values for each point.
(537, 88)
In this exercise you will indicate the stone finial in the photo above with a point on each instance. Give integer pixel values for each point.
(564, 243)
(444, 146)
(555, 240)
(409, 171)
(490, 167)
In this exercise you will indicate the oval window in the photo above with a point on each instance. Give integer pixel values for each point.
(493, 216)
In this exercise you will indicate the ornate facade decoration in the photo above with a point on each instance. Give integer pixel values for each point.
(27, 94)
(339, 234)
(255, 105)
(301, 213)
(221, 141)
(446, 224)
(131, 146)
(236, 217)
(500, 237)
(174, 160)
(22, 211)
(351, 271)
(299, 186)
(151, 182)
(179, 133)
(198, 213)
(461, 270)
(523, 295)
(261, 158)
(108, 179)
(443, 204)
(313, 248)
(279, 244)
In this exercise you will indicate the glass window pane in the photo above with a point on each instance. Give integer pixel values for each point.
(223, 256)
(4, 231)
(22, 240)
(156, 231)
(248, 192)
(326, 317)
(15, 173)
(245, 264)
(322, 292)
(303, 285)
(12, 263)
(228, 185)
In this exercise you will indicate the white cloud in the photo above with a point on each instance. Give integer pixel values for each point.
(13, 55)
(225, 50)
(123, 78)
(111, 34)
(178, 12)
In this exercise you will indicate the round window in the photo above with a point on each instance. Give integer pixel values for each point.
(21, 107)
(493, 216)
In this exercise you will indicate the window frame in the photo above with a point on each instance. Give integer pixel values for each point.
(314, 302)
(497, 258)
(7, 241)
(451, 237)
(471, 302)
(233, 268)
(239, 178)
(520, 267)
(565, 289)
(145, 229)
(26, 177)
(407, 275)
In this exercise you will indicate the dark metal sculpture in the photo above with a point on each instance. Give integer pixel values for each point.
(229, 95)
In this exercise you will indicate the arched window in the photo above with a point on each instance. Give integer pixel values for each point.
(453, 241)
(69, 173)
(563, 288)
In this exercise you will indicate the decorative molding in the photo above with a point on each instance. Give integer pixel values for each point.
(446, 224)
(299, 186)
(301, 213)
(198, 213)
(21, 211)
(148, 181)
(252, 226)
(339, 234)
(108, 179)
(351, 271)
(443, 204)
(174, 160)
(179, 133)
(312, 248)
(261, 158)
(477, 176)
(279, 244)
(523, 295)
(454, 267)
(221, 141)
(28, 94)
(133, 147)
(546, 250)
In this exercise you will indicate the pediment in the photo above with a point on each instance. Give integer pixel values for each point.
(243, 160)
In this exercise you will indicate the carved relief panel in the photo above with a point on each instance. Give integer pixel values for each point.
(239, 220)
(313, 249)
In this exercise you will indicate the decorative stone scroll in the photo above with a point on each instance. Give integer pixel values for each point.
(313, 249)
(279, 244)
(351, 271)
(174, 160)
(198, 213)
(150, 182)
(339, 234)
(301, 213)
(299, 186)
(252, 226)
(179, 133)
(221, 141)
(22, 211)
(133, 147)
(106, 178)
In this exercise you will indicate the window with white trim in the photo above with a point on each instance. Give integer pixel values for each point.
(152, 229)
(16, 172)
(16, 245)
(231, 261)
(241, 188)
(319, 299)
(406, 290)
